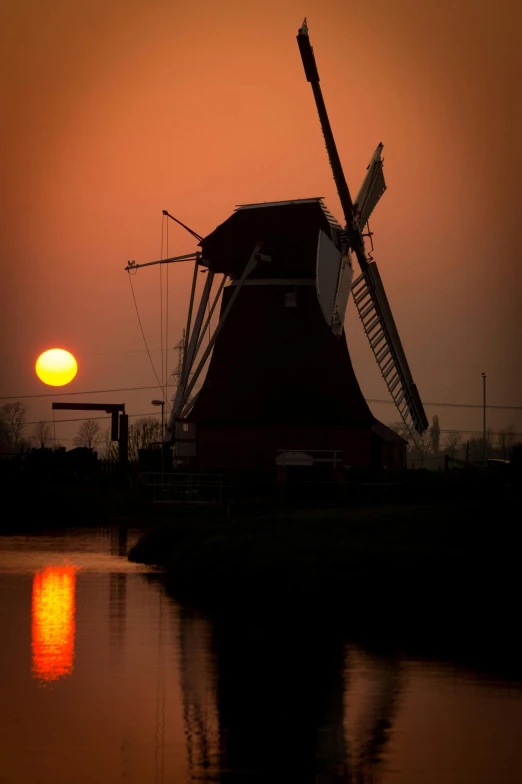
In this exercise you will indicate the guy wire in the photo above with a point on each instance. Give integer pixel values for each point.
(167, 322)
(141, 327)
(161, 307)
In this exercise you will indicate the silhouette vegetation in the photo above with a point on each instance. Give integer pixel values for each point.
(42, 435)
(13, 418)
(89, 434)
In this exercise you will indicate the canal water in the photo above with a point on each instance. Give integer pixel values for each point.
(105, 678)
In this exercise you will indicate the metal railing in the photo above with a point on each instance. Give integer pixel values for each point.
(184, 487)
(300, 457)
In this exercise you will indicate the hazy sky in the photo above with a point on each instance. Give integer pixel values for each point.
(113, 111)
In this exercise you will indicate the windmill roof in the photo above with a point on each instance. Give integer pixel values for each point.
(387, 434)
(312, 200)
(287, 229)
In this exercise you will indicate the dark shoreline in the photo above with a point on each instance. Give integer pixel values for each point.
(438, 581)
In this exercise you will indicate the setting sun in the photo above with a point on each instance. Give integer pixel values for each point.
(56, 367)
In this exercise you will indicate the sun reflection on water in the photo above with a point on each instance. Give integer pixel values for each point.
(53, 624)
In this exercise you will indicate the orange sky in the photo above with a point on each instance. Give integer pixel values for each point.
(114, 111)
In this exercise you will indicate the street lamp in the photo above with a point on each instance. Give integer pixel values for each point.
(162, 404)
(484, 454)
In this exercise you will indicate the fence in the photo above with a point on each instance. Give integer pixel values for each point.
(184, 488)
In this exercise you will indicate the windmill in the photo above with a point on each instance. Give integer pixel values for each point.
(279, 386)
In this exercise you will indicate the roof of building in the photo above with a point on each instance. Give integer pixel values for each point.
(312, 200)
(288, 231)
(387, 434)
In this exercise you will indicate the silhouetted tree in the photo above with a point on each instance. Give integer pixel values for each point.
(506, 440)
(516, 457)
(452, 443)
(14, 417)
(42, 435)
(112, 449)
(5, 439)
(419, 445)
(401, 429)
(435, 435)
(142, 434)
(88, 434)
(476, 447)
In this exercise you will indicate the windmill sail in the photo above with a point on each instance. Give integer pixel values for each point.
(342, 293)
(328, 264)
(368, 291)
(379, 325)
(371, 191)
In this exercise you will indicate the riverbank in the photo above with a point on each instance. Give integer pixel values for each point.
(424, 574)
(332, 549)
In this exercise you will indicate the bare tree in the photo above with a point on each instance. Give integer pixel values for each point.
(506, 441)
(452, 443)
(401, 429)
(490, 443)
(88, 434)
(142, 434)
(476, 447)
(435, 435)
(14, 417)
(422, 444)
(419, 445)
(42, 435)
(112, 448)
(5, 438)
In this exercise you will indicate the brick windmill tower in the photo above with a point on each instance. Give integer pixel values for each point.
(280, 387)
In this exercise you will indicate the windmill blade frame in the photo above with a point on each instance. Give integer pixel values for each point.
(368, 291)
(371, 190)
(380, 329)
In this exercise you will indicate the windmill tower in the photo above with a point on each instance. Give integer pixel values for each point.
(280, 387)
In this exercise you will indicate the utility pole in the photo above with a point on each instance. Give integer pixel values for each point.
(162, 404)
(484, 453)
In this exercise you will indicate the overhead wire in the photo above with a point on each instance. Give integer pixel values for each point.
(141, 327)
(157, 414)
(166, 317)
(161, 309)
(84, 392)
(450, 405)
(139, 389)
(82, 419)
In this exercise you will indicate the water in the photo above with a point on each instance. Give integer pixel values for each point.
(105, 678)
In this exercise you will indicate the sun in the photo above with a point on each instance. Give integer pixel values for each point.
(56, 367)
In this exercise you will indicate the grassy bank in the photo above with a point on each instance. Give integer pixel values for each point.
(438, 580)
(329, 552)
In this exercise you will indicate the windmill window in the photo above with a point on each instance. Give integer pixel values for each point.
(290, 297)
(185, 428)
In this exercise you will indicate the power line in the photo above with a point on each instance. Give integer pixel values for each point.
(88, 392)
(82, 419)
(155, 414)
(451, 405)
(158, 386)
(479, 432)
